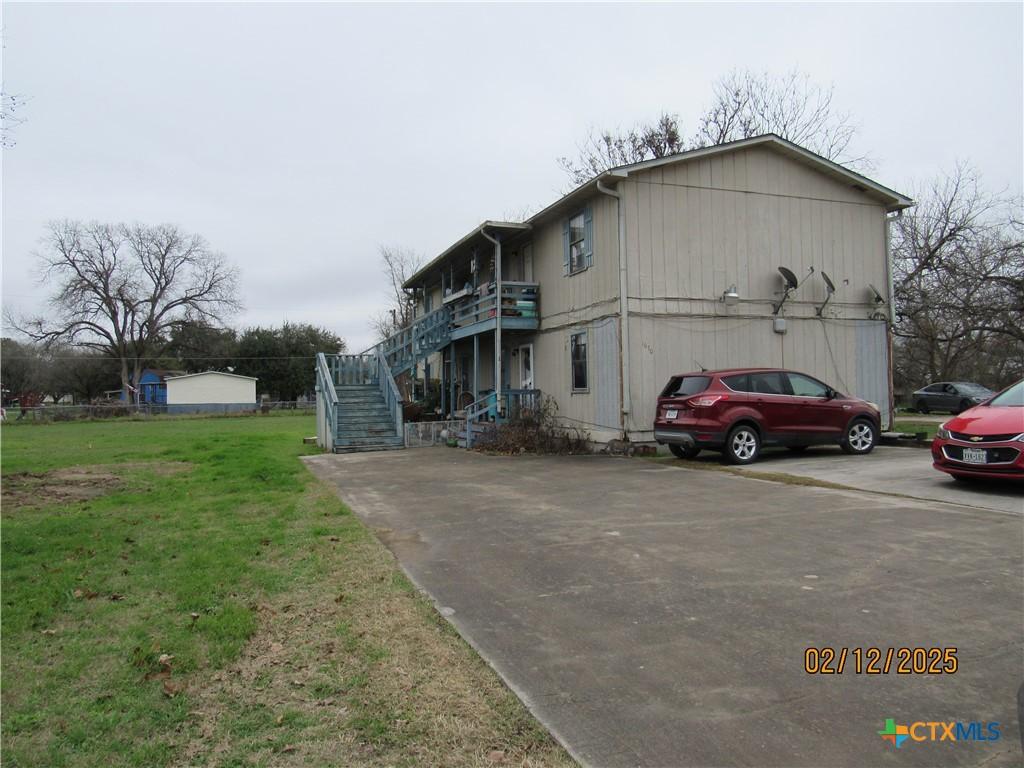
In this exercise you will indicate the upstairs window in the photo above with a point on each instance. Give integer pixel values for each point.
(578, 360)
(578, 241)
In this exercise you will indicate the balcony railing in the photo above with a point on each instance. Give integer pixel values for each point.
(515, 403)
(518, 300)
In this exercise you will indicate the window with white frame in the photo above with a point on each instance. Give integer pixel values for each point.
(577, 243)
(577, 240)
(578, 361)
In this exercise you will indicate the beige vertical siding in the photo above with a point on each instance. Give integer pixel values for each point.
(589, 301)
(849, 355)
(597, 409)
(590, 293)
(695, 228)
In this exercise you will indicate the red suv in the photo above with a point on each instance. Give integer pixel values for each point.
(738, 411)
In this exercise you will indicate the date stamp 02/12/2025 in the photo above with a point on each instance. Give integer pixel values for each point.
(872, 660)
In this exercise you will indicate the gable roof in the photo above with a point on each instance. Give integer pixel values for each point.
(892, 200)
(212, 373)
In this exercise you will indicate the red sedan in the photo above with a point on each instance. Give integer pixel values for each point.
(986, 440)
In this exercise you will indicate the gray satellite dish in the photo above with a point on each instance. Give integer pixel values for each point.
(791, 284)
(789, 277)
(879, 298)
(830, 288)
(828, 283)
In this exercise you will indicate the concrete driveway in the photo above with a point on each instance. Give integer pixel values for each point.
(888, 469)
(655, 615)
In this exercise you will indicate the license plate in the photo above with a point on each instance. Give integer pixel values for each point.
(673, 413)
(975, 455)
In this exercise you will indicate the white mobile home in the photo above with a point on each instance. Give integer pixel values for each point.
(210, 391)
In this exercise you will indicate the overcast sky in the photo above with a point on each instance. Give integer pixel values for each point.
(299, 138)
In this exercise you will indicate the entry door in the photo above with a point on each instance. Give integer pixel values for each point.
(526, 366)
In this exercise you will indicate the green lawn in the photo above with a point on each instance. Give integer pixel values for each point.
(909, 425)
(185, 592)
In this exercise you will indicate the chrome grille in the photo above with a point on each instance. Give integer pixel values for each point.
(967, 438)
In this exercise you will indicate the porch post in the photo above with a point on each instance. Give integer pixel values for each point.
(476, 366)
(451, 382)
(496, 239)
(441, 383)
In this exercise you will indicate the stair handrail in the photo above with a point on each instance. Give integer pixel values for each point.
(389, 389)
(479, 407)
(325, 383)
(406, 344)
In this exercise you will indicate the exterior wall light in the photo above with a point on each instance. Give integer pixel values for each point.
(731, 297)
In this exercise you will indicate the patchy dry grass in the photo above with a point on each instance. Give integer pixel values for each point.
(909, 425)
(776, 477)
(208, 602)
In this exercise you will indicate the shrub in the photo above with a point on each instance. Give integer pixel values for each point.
(534, 430)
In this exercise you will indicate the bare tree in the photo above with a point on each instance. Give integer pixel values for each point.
(123, 289)
(608, 149)
(398, 265)
(958, 265)
(11, 108)
(745, 104)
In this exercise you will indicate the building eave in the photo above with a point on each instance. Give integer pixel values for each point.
(494, 227)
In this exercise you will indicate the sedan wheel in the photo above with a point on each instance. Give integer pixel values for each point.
(742, 445)
(684, 451)
(861, 437)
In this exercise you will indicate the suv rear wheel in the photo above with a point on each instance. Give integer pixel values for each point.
(743, 445)
(684, 451)
(860, 437)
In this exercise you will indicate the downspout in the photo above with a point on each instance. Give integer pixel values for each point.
(623, 307)
(891, 312)
(497, 316)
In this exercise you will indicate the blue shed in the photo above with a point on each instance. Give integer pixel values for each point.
(153, 386)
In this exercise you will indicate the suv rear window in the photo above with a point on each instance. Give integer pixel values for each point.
(684, 386)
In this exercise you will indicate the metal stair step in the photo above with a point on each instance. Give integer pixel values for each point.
(367, 448)
(365, 441)
(362, 411)
(369, 431)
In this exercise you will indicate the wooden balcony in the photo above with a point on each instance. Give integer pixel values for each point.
(474, 312)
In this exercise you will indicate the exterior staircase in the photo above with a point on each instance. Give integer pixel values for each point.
(364, 420)
(358, 407)
(358, 404)
(428, 334)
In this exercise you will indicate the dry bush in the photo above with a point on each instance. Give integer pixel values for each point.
(534, 430)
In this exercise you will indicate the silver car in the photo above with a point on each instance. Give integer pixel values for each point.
(952, 396)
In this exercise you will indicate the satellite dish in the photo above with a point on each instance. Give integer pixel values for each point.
(789, 277)
(879, 298)
(831, 288)
(791, 284)
(829, 285)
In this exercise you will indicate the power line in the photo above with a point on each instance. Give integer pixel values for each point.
(187, 357)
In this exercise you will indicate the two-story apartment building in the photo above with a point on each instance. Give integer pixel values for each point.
(668, 266)
(648, 270)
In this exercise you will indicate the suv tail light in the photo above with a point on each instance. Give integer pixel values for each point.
(706, 401)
